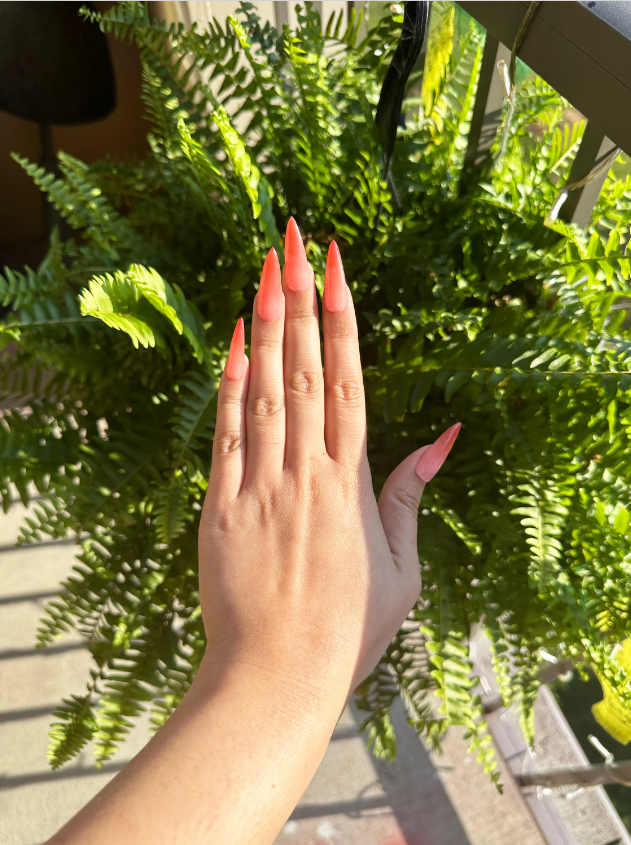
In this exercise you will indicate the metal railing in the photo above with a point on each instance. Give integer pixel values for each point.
(581, 49)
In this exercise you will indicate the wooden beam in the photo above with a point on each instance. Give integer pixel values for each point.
(582, 50)
(489, 100)
(579, 205)
(586, 776)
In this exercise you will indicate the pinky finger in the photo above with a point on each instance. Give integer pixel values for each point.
(229, 444)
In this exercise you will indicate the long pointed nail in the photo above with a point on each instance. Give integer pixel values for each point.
(270, 294)
(298, 273)
(235, 365)
(335, 290)
(433, 458)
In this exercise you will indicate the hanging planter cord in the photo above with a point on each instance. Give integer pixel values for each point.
(388, 116)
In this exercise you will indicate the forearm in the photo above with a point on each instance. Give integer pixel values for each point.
(228, 767)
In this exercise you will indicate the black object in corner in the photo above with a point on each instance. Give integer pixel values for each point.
(388, 117)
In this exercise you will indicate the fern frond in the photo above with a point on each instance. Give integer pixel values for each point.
(191, 422)
(255, 184)
(171, 506)
(75, 727)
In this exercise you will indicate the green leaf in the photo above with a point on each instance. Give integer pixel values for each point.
(153, 287)
(113, 299)
(621, 521)
(455, 382)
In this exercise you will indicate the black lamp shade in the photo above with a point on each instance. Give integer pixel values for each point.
(55, 67)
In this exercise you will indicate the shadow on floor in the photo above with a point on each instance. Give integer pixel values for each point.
(413, 791)
(48, 651)
(46, 594)
(418, 799)
(27, 713)
(64, 774)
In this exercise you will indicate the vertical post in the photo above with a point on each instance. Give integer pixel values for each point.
(577, 208)
(488, 103)
(281, 13)
(359, 6)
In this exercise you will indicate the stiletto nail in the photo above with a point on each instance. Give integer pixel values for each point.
(433, 458)
(298, 273)
(270, 291)
(235, 365)
(335, 295)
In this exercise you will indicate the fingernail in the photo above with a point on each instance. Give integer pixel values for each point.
(298, 273)
(335, 296)
(235, 365)
(270, 292)
(433, 458)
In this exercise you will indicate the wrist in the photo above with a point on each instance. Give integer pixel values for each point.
(291, 687)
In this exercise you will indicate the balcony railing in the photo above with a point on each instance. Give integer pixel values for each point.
(583, 50)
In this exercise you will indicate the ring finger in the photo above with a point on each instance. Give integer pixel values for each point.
(265, 414)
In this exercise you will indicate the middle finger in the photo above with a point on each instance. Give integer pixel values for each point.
(304, 386)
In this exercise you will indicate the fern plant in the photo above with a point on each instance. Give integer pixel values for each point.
(470, 309)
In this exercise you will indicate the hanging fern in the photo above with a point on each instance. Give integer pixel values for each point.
(470, 309)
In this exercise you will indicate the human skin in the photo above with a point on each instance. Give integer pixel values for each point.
(304, 580)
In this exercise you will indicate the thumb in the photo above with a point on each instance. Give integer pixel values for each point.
(401, 495)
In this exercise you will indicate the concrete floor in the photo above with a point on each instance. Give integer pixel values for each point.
(353, 798)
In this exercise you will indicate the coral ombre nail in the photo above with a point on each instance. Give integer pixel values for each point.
(270, 292)
(335, 291)
(298, 273)
(235, 365)
(433, 458)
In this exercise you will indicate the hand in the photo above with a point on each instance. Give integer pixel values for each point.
(302, 574)
(303, 579)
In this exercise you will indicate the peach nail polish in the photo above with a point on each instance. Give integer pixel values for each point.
(433, 458)
(298, 273)
(335, 290)
(235, 365)
(270, 291)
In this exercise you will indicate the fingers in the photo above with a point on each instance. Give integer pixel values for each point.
(398, 508)
(265, 409)
(401, 495)
(345, 409)
(304, 393)
(229, 443)
(432, 460)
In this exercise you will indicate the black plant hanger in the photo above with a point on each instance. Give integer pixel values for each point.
(388, 117)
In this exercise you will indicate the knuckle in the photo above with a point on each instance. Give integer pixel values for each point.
(301, 312)
(304, 383)
(216, 522)
(342, 330)
(407, 499)
(269, 341)
(229, 398)
(347, 391)
(227, 442)
(265, 407)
